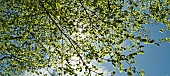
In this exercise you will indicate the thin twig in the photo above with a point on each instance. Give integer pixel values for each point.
(63, 34)
(49, 72)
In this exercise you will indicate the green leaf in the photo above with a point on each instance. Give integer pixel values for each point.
(1, 43)
(120, 69)
(142, 72)
(162, 30)
(129, 73)
(113, 73)
(141, 46)
(140, 52)
(169, 40)
(143, 40)
(45, 74)
(151, 41)
(40, 72)
(157, 44)
(37, 72)
(36, 21)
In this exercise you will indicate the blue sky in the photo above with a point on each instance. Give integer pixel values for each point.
(156, 60)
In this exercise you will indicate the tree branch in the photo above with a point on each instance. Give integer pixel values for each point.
(109, 5)
(3, 58)
(41, 4)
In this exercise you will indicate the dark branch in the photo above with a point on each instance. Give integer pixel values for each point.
(11, 37)
(41, 4)
(109, 5)
(10, 56)
(3, 58)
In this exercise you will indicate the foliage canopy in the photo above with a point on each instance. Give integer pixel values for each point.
(36, 34)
